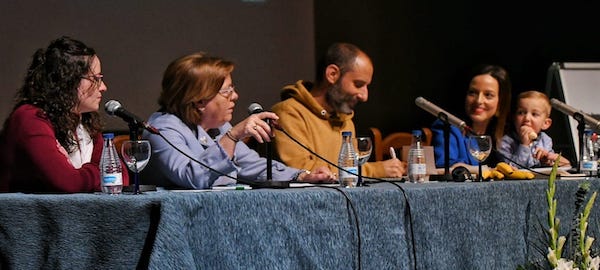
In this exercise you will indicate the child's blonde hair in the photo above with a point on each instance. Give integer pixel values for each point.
(538, 95)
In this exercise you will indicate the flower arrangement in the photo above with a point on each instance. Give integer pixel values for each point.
(579, 256)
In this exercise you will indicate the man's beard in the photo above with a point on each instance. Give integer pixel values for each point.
(340, 101)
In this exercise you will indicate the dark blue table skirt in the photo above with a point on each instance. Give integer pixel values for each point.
(455, 226)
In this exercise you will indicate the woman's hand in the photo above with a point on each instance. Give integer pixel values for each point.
(254, 126)
(319, 174)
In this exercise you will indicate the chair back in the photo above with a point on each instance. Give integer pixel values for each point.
(118, 142)
(381, 145)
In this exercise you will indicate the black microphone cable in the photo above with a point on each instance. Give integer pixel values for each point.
(237, 179)
(408, 211)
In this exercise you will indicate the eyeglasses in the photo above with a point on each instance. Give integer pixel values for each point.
(226, 92)
(96, 78)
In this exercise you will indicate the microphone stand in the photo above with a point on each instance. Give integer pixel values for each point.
(133, 130)
(447, 175)
(580, 130)
(269, 156)
(133, 136)
(269, 183)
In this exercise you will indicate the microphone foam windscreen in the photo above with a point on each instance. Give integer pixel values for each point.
(112, 106)
(255, 108)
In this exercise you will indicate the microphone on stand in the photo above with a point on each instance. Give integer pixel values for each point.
(448, 119)
(443, 115)
(568, 110)
(582, 119)
(114, 108)
(257, 108)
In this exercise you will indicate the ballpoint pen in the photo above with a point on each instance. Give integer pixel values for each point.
(392, 152)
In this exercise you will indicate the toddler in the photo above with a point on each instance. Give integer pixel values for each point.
(528, 145)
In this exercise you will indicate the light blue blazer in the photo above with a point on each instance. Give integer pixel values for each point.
(170, 168)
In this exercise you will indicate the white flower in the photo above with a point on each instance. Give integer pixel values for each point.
(565, 265)
(595, 264)
(551, 257)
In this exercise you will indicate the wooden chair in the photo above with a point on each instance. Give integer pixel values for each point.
(118, 142)
(381, 145)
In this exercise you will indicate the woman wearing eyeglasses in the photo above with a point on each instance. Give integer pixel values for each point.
(196, 105)
(52, 140)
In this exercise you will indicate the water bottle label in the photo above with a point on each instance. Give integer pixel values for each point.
(589, 166)
(344, 174)
(112, 179)
(418, 168)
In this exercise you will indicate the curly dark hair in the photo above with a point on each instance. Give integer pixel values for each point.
(51, 84)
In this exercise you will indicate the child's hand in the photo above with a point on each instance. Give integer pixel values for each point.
(527, 135)
(545, 157)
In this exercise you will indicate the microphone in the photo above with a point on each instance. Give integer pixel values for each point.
(440, 113)
(114, 108)
(257, 108)
(568, 110)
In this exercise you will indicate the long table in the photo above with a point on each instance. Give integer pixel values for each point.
(490, 225)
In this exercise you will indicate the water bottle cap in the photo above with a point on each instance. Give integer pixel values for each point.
(108, 135)
(346, 133)
(417, 132)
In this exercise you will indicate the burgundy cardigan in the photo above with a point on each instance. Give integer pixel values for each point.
(31, 159)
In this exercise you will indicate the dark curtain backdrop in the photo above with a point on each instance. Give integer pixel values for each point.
(271, 42)
(424, 48)
(420, 48)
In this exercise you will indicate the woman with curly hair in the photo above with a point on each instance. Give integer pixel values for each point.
(52, 140)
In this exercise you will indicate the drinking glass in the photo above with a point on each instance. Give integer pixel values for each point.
(136, 155)
(480, 147)
(363, 146)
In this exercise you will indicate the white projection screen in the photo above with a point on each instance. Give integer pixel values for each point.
(578, 85)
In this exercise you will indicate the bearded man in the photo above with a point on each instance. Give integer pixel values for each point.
(315, 114)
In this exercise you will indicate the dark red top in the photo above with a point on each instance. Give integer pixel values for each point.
(32, 160)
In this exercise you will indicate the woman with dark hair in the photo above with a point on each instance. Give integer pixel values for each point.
(52, 140)
(487, 105)
(196, 105)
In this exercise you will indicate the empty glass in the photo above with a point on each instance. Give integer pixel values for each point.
(480, 147)
(363, 146)
(136, 155)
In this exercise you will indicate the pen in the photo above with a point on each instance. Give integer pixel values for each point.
(392, 152)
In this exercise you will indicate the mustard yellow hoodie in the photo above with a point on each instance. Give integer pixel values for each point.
(301, 116)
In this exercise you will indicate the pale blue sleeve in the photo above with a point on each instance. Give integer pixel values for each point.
(253, 167)
(185, 172)
(517, 154)
(180, 169)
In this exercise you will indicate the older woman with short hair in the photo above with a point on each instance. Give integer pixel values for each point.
(196, 104)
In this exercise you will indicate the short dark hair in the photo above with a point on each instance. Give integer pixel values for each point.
(339, 54)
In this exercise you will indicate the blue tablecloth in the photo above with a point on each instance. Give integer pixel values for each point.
(455, 226)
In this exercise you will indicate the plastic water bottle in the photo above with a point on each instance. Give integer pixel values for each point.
(588, 163)
(348, 160)
(111, 174)
(417, 169)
